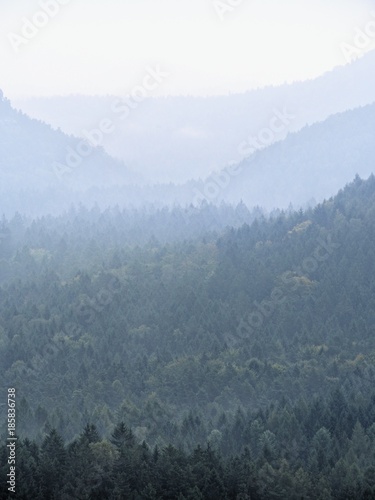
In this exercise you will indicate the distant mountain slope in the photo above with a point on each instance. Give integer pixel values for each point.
(180, 138)
(312, 163)
(33, 156)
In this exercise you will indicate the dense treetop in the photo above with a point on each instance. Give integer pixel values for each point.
(256, 338)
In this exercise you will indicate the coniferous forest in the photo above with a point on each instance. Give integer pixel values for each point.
(200, 353)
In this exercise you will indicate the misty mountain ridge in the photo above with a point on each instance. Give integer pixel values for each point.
(34, 156)
(310, 164)
(189, 137)
(43, 168)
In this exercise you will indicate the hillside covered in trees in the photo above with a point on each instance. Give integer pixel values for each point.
(53, 171)
(234, 362)
(50, 166)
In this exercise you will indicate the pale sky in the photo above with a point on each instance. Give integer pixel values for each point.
(105, 46)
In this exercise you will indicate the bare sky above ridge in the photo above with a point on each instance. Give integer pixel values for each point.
(206, 46)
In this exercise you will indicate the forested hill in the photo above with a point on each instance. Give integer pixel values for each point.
(313, 163)
(49, 173)
(188, 137)
(34, 157)
(259, 340)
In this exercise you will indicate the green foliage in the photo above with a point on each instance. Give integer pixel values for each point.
(231, 365)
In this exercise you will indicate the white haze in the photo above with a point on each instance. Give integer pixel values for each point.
(175, 91)
(95, 47)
